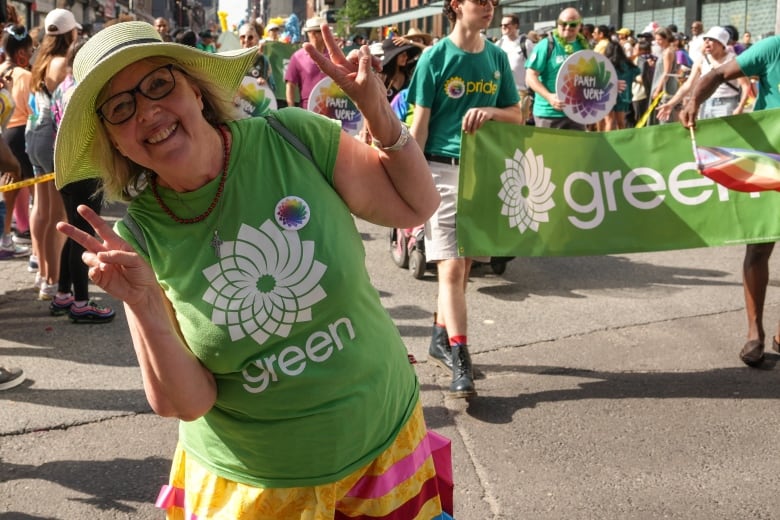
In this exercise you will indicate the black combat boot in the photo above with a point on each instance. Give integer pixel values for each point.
(462, 373)
(439, 350)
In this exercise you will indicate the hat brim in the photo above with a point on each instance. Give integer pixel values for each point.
(412, 51)
(73, 156)
(426, 38)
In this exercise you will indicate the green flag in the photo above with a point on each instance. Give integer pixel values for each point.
(528, 191)
(278, 54)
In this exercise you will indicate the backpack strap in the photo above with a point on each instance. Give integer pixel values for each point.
(523, 49)
(290, 137)
(135, 230)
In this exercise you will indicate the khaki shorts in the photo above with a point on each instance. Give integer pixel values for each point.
(441, 242)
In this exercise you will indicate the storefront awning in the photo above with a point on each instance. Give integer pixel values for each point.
(432, 9)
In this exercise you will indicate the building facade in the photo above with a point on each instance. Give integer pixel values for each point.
(759, 17)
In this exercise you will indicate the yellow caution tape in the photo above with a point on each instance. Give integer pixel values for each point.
(643, 120)
(27, 182)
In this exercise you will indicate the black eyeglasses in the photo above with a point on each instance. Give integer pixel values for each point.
(570, 25)
(155, 85)
(484, 3)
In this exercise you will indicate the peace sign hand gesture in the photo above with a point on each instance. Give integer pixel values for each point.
(113, 264)
(355, 74)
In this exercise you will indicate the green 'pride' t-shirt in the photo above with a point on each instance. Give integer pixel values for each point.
(450, 81)
(313, 378)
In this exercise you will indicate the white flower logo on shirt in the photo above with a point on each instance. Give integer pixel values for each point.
(264, 283)
(526, 191)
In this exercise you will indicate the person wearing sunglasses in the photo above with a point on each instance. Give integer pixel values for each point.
(244, 281)
(459, 84)
(517, 47)
(248, 37)
(543, 66)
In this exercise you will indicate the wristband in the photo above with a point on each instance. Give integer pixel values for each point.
(400, 143)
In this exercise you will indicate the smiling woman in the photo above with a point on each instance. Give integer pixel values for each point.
(293, 386)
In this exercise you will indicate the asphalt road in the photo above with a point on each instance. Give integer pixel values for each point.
(611, 390)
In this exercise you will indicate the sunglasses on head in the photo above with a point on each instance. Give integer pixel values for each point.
(570, 25)
(17, 37)
(484, 3)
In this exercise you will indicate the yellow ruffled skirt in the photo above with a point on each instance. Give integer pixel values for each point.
(401, 484)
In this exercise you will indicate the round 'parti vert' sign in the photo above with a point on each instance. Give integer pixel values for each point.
(587, 84)
(328, 99)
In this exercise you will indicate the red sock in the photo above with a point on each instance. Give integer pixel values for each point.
(458, 340)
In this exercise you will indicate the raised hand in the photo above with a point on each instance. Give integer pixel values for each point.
(113, 264)
(355, 74)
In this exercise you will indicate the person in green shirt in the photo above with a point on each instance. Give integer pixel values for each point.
(541, 70)
(458, 84)
(243, 278)
(206, 41)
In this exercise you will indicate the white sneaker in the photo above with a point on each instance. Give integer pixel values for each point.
(11, 250)
(10, 377)
(47, 291)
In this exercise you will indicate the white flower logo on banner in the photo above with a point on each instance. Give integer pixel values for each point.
(526, 191)
(264, 283)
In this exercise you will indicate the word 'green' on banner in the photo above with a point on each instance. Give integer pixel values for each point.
(528, 191)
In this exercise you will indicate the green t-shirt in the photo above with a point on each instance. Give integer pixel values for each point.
(762, 59)
(313, 377)
(450, 81)
(548, 72)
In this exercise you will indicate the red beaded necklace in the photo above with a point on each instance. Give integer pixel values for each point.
(193, 220)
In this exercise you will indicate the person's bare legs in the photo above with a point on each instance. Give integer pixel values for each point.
(10, 200)
(755, 277)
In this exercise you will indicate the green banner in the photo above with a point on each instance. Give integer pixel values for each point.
(278, 54)
(539, 192)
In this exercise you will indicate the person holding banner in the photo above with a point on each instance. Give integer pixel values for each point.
(543, 66)
(458, 84)
(762, 60)
(729, 98)
(244, 281)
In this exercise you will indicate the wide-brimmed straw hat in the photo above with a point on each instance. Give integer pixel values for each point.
(102, 57)
(414, 32)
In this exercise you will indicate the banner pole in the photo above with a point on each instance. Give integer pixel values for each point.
(695, 150)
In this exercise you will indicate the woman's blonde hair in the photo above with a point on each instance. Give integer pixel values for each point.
(122, 178)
